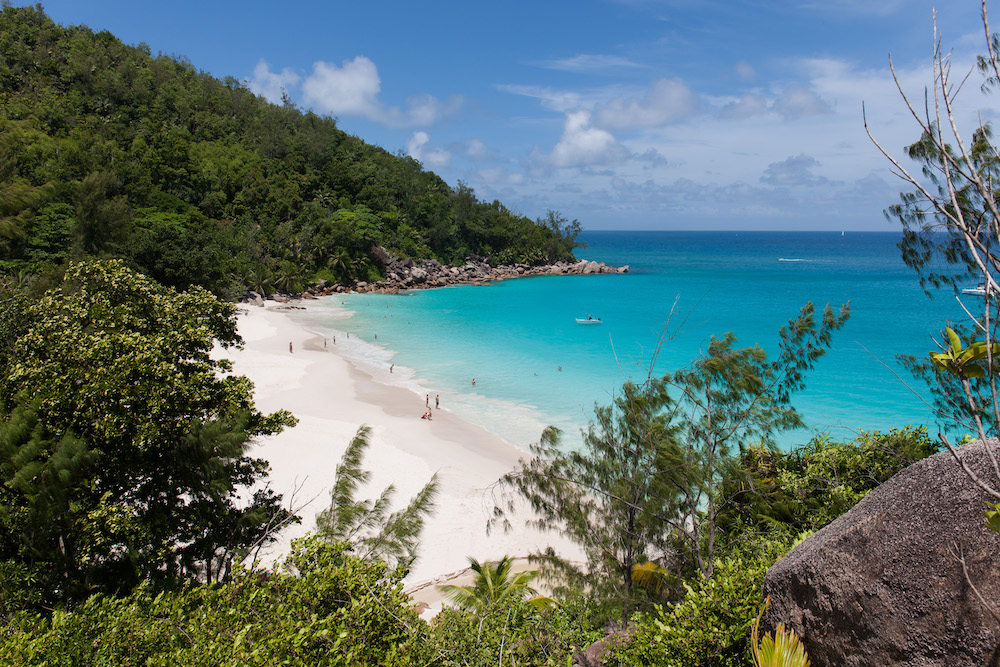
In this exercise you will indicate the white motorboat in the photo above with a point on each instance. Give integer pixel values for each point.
(978, 290)
(588, 320)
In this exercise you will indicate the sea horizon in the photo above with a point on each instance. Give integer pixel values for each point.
(534, 366)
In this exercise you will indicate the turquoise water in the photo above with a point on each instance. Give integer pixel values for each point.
(512, 337)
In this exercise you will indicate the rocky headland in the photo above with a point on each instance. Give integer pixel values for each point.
(406, 274)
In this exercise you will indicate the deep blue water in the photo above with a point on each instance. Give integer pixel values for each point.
(683, 287)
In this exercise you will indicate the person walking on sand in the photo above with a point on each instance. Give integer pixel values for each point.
(437, 401)
(427, 400)
(289, 347)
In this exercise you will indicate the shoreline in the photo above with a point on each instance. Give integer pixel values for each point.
(331, 398)
(402, 274)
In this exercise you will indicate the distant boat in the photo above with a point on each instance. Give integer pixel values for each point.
(978, 290)
(588, 320)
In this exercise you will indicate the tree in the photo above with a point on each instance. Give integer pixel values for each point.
(368, 525)
(951, 237)
(736, 396)
(643, 487)
(565, 235)
(494, 584)
(122, 366)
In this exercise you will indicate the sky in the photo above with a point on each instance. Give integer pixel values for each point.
(622, 114)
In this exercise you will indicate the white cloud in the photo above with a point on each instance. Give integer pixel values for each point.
(420, 149)
(793, 172)
(498, 177)
(582, 145)
(797, 102)
(559, 100)
(590, 63)
(353, 90)
(746, 106)
(350, 90)
(476, 150)
(269, 85)
(427, 109)
(665, 101)
(745, 71)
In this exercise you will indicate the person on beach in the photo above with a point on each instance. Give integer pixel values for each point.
(324, 343)
(427, 400)
(473, 382)
(437, 401)
(289, 347)
(390, 367)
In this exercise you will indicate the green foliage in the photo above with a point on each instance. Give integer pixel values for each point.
(711, 626)
(120, 137)
(769, 491)
(782, 649)
(129, 460)
(495, 584)
(513, 633)
(609, 497)
(963, 361)
(644, 486)
(329, 608)
(367, 525)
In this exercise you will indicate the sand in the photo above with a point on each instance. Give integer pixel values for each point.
(332, 399)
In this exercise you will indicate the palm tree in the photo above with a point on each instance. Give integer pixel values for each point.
(494, 583)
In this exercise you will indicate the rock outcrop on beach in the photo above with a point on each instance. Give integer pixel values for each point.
(894, 581)
(403, 273)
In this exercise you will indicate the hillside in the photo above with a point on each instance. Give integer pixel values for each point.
(109, 151)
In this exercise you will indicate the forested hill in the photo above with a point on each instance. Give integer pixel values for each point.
(106, 150)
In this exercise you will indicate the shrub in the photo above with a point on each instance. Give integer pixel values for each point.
(327, 608)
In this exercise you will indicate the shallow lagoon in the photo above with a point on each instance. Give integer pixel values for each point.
(534, 365)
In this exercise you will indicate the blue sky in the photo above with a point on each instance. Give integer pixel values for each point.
(624, 114)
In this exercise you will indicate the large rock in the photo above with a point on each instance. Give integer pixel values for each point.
(883, 584)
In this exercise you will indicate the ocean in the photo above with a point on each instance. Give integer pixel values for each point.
(533, 365)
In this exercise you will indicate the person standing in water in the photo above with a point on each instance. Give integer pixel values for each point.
(437, 401)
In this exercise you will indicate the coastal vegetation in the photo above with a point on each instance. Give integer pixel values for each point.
(136, 191)
(107, 150)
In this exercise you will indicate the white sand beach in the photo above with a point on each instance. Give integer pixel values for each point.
(331, 399)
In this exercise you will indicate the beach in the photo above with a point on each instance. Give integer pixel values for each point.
(294, 369)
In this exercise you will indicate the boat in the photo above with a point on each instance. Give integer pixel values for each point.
(589, 319)
(978, 290)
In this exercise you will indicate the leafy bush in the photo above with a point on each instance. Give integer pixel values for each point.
(711, 625)
(810, 486)
(328, 608)
(512, 633)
